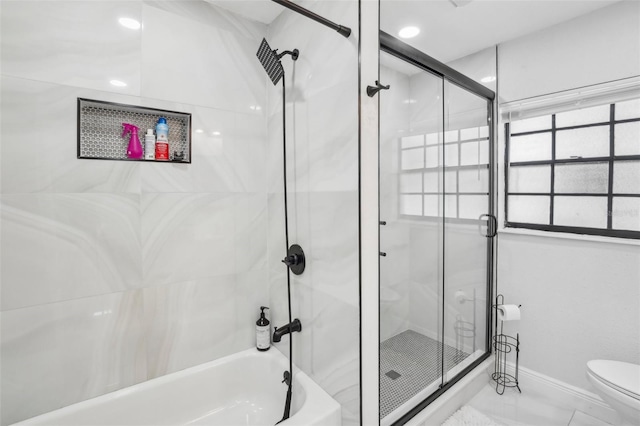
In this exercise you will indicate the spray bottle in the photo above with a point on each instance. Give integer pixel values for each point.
(134, 150)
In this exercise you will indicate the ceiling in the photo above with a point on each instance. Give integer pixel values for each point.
(264, 11)
(449, 32)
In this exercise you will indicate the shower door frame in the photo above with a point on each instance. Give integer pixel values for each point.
(407, 53)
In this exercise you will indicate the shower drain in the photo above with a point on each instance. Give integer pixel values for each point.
(392, 374)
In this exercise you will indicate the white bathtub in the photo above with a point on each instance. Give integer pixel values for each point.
(241, 389)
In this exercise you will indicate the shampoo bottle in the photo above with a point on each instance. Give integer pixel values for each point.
(162, 140)
(263, 332)
(134, 150)
(149, 145)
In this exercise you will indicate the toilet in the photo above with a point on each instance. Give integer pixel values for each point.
(618, 384)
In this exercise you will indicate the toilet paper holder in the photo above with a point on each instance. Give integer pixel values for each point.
(504, 345)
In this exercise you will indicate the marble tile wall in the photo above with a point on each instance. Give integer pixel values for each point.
(112, 272)
(322, 177)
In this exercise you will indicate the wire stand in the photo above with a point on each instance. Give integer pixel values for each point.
(503, 345)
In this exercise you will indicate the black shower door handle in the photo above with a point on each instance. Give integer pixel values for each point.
(492, 225)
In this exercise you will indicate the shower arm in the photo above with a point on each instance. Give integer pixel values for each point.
(345, 31)
(294, 54)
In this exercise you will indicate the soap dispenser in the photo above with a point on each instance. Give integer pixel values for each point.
(263, 331)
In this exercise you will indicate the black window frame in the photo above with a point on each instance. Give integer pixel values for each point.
(610, 159)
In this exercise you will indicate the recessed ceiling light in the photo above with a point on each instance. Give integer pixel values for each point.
(409, 101)
(118, 83)
(255, 107)
(130, 23)
(488, 79)
(216, 133)
(409, 32)
(199, 131)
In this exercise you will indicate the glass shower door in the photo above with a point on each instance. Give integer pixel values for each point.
(467, 153)
(436, 217)
(411, 236)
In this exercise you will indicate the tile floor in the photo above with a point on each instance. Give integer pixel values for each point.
(410, 362)
(533, 407)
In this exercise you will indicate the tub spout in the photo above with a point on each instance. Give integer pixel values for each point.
(294, 325)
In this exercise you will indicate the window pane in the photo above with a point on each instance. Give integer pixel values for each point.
(411, 204)
(431, 182)
(627, 137)
(413, 159)
(432, 206)
(628, 109)
(450, 181)
(450, 206)
(587, 142)
(530, 147)
(469, 153)
(577, 117)
(451, 155)
(472, 153)
(530, 179)
(626, 213)
(626, 177)
(582, 178)
(531, 124)
(474, 180)
(588, 212)
(411, 182)
(529, 209)
(411, 141)
(434, 138)
(472, 206)
(484, 152)
(433, 156)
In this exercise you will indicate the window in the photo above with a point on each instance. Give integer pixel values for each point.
(576, 171)
(450, 177)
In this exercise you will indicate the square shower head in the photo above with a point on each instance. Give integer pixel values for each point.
(269, 60)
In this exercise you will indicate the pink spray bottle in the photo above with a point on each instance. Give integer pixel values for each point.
(134, 150)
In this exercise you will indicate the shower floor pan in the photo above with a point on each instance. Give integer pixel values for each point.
(409, 363)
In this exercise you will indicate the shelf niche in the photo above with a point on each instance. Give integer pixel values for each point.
(100, 130)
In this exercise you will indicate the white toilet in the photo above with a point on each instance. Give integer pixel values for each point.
(618, 384)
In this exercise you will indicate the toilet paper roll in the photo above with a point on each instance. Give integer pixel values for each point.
(508, 312)
(460, 296)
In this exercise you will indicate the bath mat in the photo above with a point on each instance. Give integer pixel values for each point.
(468, 416)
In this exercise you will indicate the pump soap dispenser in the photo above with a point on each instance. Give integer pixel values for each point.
(134, 150)
(263, 331)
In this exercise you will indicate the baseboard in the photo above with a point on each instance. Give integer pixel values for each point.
(582, 399)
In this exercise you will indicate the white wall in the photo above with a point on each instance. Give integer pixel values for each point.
(580, 296)
(322, 177)
(594, 48)
(116, 272)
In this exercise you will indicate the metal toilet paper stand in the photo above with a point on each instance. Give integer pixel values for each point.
(503, 345)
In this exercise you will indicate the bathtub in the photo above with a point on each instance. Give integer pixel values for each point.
(241, 389)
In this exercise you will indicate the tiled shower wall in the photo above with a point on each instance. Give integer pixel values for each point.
(322, 177)
(117, 272)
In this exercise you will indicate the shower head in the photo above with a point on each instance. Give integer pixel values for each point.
(270, 60)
